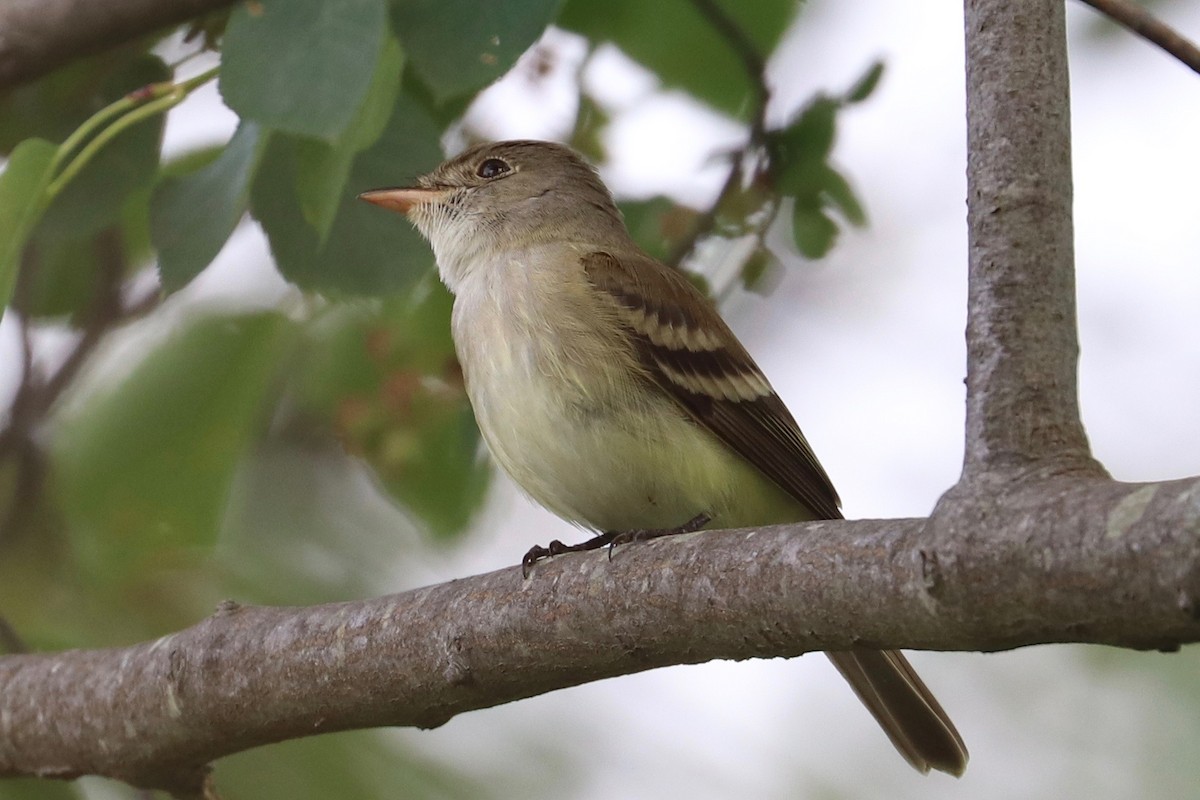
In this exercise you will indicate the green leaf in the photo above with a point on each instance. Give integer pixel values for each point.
(324, 167)
(813, 231)
(865, 86)
(53, 106)
(62, 277)
(192, 216)
(460, 46)
(685, 49)
(799, 151)
(800, 166)
(95, 198)
(302, 66)
(762, 272)
(144, 467)
(368, 250)
(440, 473)
(36, 789)
(21, 186)
(836, 188)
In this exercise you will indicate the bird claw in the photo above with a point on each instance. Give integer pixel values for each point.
(557, 548)
(611, 539)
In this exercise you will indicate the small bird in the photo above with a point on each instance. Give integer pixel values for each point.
(611, 391)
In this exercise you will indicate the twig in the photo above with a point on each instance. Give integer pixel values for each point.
(755, 67)
(740, 43)
(707, 221)
(107, 312)
(1143, 23)
(36, 395)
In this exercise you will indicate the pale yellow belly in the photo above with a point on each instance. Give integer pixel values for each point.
(626, 465)
(561, 412)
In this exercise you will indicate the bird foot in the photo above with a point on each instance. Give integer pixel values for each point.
(610, 539)
(645, 534)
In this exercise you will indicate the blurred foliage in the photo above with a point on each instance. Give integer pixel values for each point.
(460, 46)
(687, 51)
(183, 451)
(145, 469)
(192, 215)
(800, 157)
(33, 789)
(352, 764)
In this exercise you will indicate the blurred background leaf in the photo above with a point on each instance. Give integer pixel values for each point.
(21, 186)
(303, 66)
(192, 215)
(145, 469)
(675, 40)
(385, 381)
(460, 46)
(365, 252)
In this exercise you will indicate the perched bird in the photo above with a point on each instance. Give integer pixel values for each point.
(612, 392)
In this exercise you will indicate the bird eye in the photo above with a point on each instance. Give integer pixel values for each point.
(492, 167)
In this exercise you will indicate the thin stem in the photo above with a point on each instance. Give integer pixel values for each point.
(129, 110)
(755, 66)
(739, 42)
(705, 223)
(1140, 21)
(105, 136)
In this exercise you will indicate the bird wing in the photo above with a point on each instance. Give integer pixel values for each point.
(689, 351)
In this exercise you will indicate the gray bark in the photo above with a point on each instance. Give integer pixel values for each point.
(1071, 561)
(37, 36)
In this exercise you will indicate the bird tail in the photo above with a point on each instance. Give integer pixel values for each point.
(908, 712)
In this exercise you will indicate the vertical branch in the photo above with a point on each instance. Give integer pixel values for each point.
(1022, 343)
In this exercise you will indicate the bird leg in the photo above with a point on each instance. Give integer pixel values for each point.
(611, 539)
(643, 534)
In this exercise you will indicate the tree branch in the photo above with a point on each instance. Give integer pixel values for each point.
(1074, 560)
(37, 36)
(1022, 343)
(1140, 21)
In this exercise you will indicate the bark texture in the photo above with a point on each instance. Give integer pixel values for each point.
(1071, 561)
(37, 36)
(1022, 342)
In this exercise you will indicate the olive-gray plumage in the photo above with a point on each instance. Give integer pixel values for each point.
(613, 393)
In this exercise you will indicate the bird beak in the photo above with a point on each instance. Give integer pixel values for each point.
(402, 199)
